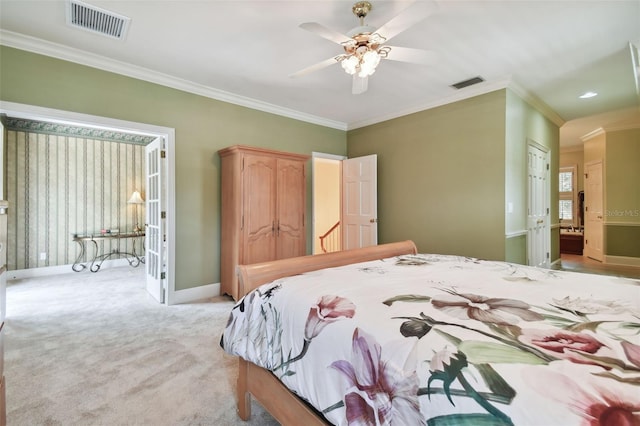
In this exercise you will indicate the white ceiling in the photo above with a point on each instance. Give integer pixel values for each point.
(239, 51)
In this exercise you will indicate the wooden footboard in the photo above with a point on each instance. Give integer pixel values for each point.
(283, 405)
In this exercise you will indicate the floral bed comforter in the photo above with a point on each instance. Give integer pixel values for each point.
(447, 340)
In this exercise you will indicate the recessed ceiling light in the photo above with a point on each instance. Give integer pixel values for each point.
(588, 95)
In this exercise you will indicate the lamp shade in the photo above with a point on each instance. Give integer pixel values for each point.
(135, 198)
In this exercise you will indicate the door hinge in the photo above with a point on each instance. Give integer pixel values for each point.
(586, 175)
(163, 153)
(241, 222)
(163, 275)
(547, 210)
(547, 166)
(164, 238)
(163, 215)
(547, 255)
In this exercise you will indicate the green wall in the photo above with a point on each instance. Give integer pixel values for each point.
(441, 177)
(447, 175)
(202, 125)
(524, 125)
(622, 189)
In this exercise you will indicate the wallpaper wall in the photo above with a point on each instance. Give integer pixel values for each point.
(64, 180)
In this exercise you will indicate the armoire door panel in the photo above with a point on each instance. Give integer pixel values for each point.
(259, 209)
(291, 201)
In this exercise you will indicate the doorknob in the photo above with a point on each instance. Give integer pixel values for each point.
(373, 220)
(540, 221)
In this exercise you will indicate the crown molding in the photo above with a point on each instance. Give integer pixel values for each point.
(468, 92)
(58, 51)
(537, 103)
(592, 134)
(471, 92)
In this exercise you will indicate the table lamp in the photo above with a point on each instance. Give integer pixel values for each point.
(135, 200)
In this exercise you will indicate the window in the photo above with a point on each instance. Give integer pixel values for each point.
(567, 208)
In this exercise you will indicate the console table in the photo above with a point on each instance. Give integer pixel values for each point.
(133, 258)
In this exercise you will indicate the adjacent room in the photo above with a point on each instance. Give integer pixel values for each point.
(150, 151)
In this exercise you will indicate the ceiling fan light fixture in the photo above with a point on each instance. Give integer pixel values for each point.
(370, 61)
(350, 64)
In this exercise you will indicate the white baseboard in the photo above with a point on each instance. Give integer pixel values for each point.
(188, 295)
(195, 293)
(622, 260)
(61, 269)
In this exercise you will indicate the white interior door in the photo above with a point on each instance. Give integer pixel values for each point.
(538, 232)
(593, 211)
(359, 202)
(155, 212)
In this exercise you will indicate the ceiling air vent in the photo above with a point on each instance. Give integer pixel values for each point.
(467, 83)
(96, 20)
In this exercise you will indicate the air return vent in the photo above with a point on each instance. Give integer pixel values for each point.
(96, 20)
(467, 83)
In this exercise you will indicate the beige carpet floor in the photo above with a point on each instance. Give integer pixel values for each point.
(94, 349)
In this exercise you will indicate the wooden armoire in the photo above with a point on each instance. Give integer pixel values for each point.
(263, 209)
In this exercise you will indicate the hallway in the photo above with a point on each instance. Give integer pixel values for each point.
(577, 263)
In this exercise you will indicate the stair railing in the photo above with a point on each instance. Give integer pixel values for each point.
(331, 240)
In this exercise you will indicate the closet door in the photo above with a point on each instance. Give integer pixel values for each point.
(258, 209)
(290, 226)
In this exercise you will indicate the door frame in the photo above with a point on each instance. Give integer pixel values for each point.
(587, 252)
(66, 117)
(314, 205)
(547, 200)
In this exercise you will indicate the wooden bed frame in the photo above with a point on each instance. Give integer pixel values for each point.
(281, 403)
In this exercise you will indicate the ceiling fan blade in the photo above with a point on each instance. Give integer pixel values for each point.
(359, 84)
(410, 16)
(325, 32)
(407, 54)
(314, 67)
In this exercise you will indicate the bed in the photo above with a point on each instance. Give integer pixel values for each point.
(384, 335)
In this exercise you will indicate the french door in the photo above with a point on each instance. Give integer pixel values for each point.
(155, 219)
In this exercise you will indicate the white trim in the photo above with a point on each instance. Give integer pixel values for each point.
(328, 156)
(55, 50)
(537, 103)
(622, 260)
(619, 127)
(48, 114)
(520, 233)
(547, 200)
(46, 271)
(193, 294)
(325, 156)
(47, 48)
(592, 134)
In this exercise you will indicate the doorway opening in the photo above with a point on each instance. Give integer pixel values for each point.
(326, 172)
(35, 113)
(345, 202)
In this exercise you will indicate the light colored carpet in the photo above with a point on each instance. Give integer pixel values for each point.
(94, 349)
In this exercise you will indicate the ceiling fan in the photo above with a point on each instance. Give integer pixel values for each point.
(364, 46)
